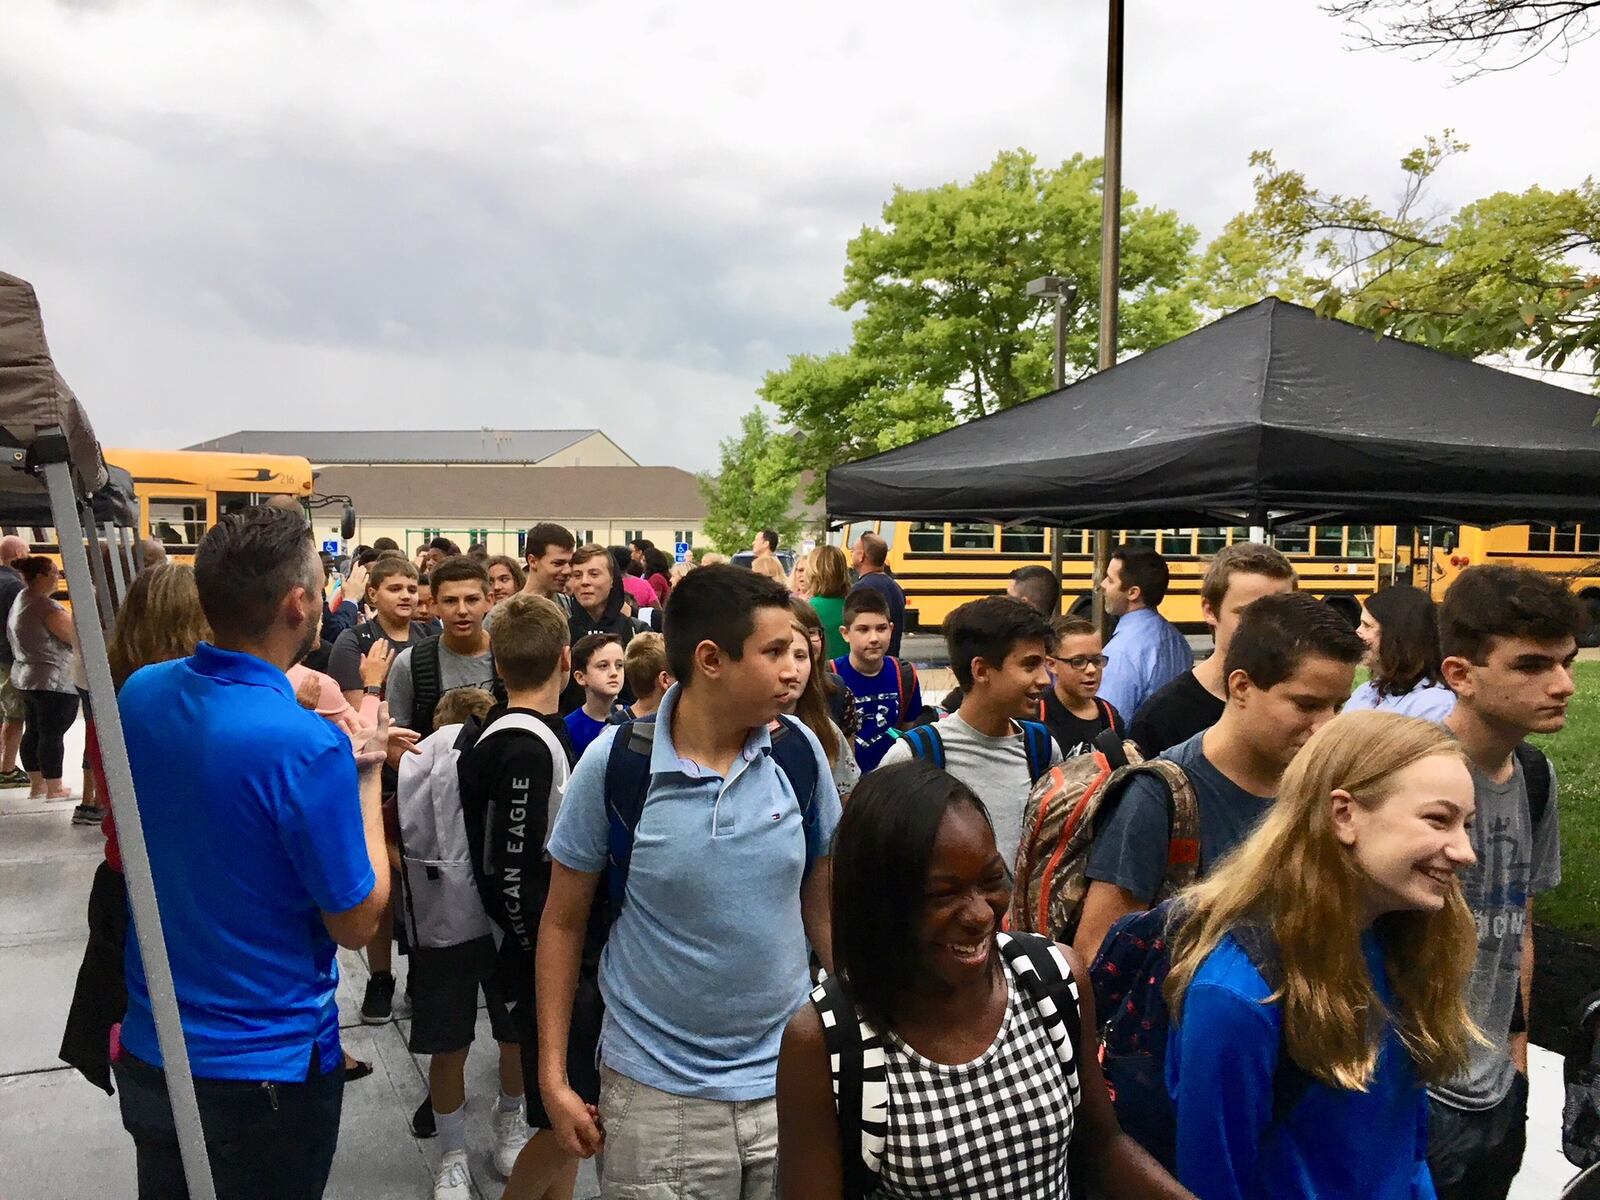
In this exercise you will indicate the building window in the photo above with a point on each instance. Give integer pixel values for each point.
(1022, 539)
(583, 536)
(630, 536)
(683, 537)
(971, 536)
(927, 537)
(178, 522)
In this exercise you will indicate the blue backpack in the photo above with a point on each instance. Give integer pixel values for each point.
(628, 786)
(1129, 975)
(925, 742)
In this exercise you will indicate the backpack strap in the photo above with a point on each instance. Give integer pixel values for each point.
(860, 1074)
(427, 684)
(1536, 777)
(792, 753)
(1054, 992)
(1290, 1081)
(906, 676)
(1106, 711)
(1036, 743)
(925, 742)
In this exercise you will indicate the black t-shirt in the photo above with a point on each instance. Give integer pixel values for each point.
(1175, 714)
(1074, 734)
(344, 664)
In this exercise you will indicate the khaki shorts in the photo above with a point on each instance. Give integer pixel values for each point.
(10, 699)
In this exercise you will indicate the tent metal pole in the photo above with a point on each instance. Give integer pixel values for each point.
(114, 547)
(138, 551)
(102, 599)
(135, 859)
(1110, 255)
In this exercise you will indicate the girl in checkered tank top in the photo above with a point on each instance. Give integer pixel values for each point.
(944, 1058)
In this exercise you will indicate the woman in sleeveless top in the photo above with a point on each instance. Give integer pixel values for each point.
(42, 641)
(977, 1080)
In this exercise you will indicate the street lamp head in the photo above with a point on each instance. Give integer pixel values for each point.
(1048, 285)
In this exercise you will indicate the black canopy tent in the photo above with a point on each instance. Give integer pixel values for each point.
(58, 470)
(1268, 414)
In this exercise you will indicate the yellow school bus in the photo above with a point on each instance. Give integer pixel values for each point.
(941, 565)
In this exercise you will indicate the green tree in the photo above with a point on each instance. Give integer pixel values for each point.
(1501, 275)
(754, 488)
(946, 330)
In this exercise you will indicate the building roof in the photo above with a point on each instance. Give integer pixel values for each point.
(403, 446)
(494, 493)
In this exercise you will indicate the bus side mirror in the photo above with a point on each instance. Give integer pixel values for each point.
(347, 522)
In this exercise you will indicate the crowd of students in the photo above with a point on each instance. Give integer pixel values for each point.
(735, 895)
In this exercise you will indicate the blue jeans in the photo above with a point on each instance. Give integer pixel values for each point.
(267, 1141)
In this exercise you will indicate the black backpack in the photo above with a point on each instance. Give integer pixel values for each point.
(427, 684)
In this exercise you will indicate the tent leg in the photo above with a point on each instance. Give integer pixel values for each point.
(136, 861)
(1055, 564)
(1102, 560)
(137, 544)
(114, 547)
(102, 600)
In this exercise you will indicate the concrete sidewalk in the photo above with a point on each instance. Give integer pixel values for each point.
(62, 1139)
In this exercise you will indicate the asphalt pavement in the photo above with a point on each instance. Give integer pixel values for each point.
(62, 1139)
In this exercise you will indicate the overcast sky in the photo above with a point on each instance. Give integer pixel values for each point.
(407, 214)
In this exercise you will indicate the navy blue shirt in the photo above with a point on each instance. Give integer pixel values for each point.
(253, 822)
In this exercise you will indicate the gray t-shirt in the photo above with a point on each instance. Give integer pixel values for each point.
(455, 671)
(1130, 848)
(994, 767)
(1515, 861)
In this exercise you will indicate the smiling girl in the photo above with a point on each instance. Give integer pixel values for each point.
(1348, 893)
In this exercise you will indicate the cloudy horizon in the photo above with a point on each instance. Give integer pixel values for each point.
(563, 214)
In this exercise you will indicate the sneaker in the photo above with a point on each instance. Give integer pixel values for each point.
(377, 1007)
(454, 1180)
(14, 778)
(402, 1004)
(422, 1122)
(511, 1134)
(84, 815)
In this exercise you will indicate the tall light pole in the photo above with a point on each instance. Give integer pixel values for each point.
(1110, 255)
(1065, 294)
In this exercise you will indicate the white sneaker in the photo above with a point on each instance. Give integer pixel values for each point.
(511, 1134)
(454, 1180)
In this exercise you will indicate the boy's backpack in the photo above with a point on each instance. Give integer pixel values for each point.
(427, 684)
(441, 905)
(1536, 778)
(1580, 1117)
(1059, 822)
(628, 787)
(859, 1064)
(926, 742)
(1129, 977)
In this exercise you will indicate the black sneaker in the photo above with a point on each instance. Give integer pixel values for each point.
(84, 815)
(377, 1007)
(422, 1123)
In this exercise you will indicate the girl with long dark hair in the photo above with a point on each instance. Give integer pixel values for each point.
(1401, 631)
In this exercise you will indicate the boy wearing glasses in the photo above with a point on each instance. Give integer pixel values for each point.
(1072, 710)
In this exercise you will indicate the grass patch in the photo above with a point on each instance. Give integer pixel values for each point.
(1575, 751)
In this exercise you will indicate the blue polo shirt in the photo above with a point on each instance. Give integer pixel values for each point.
(253, 822)
(707, 960)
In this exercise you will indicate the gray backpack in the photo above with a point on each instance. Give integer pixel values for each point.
(441, 905)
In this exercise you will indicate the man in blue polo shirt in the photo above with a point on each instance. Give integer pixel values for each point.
(265, 852)
(727, 882)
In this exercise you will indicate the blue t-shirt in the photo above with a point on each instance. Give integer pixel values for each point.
(582, 729)
(253, 822)
(1220, 1064)
(708, 958)
(878, 706)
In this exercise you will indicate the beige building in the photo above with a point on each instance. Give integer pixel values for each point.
(487, 485)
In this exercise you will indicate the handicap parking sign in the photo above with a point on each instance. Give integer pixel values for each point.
(681, 549)
(331, 547)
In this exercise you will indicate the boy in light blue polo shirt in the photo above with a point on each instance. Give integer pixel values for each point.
(727, 883)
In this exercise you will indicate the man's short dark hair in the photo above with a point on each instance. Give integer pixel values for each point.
(642, 545)
(874, 549)
(1039, 587)
(385, 543)
(861, 600)
(716, 604)
(247, 563)
(1488, 602)
(365, 558)
(459, 569)
(1143, 568)
(444, 545)
(771, 537)
(1278, 633)
(990, 629)
(544, 535)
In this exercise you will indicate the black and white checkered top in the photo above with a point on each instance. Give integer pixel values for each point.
(998, 1126)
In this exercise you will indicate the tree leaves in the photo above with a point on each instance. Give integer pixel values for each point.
(755, 487)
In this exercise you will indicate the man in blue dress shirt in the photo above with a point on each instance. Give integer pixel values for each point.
(1147, 652)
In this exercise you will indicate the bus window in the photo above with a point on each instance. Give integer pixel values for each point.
(1328, 541)
(1139, 537)
(178, 522)
(1210, 540)
(971, 536)
(1292, 539)
(1359, 542)
(1178, 542)
(1565, 540)
(927, 537)
(1022, 539)
(1589, 539)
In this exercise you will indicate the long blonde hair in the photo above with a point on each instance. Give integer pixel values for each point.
(1295, 877)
